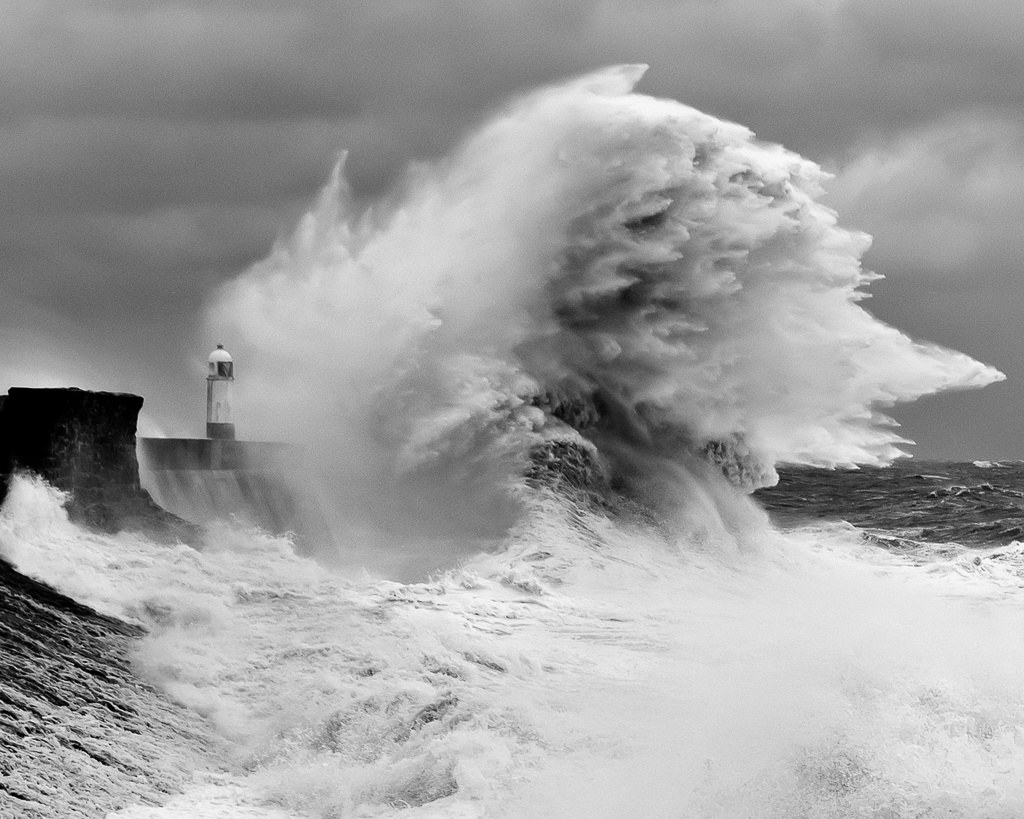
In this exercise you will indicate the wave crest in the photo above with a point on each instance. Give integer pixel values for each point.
(591, 264)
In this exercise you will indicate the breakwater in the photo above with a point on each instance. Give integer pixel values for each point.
(254, 482)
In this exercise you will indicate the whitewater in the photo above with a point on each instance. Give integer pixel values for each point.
(537, 385)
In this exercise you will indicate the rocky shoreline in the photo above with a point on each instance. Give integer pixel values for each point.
(83, 443)
(80, 734)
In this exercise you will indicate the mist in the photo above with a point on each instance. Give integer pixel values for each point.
(591, 264)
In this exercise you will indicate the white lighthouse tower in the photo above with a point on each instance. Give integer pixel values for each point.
(219, 423)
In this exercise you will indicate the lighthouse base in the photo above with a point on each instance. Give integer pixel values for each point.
(220, 432)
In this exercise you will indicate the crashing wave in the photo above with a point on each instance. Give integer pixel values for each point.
(626, 276)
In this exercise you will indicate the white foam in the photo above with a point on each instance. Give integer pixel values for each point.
(595, 667)
(689, 661)
(588, 239)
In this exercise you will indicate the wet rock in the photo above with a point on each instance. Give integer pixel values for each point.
(740, 466)
(83, 443)
(80, 734)
(568, 466)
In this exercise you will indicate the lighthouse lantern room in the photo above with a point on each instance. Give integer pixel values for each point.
(219, 423)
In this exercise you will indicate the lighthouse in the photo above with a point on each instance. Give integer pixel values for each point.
(219, 423)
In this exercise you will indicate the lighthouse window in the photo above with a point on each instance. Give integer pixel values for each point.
(224, 369)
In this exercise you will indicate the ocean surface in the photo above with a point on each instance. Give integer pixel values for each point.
(861, 653)
(533, 383)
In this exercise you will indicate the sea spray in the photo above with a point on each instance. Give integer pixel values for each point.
(80, 733)
(667, 277)
(599, 665)
(562, 355)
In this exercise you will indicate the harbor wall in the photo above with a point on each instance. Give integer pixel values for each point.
(257, 483)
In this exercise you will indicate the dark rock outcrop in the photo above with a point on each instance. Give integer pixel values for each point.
(568, 466)
(83, 443)
(740, 466)
(633, 431)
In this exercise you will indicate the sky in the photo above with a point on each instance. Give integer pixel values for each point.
(150, 151)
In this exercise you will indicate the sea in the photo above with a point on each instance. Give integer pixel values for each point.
(543, 387)
(849, 643)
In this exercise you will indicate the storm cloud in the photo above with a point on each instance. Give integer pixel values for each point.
(151, 151)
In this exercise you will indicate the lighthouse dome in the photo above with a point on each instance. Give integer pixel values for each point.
(220, 354)
(221, 366)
